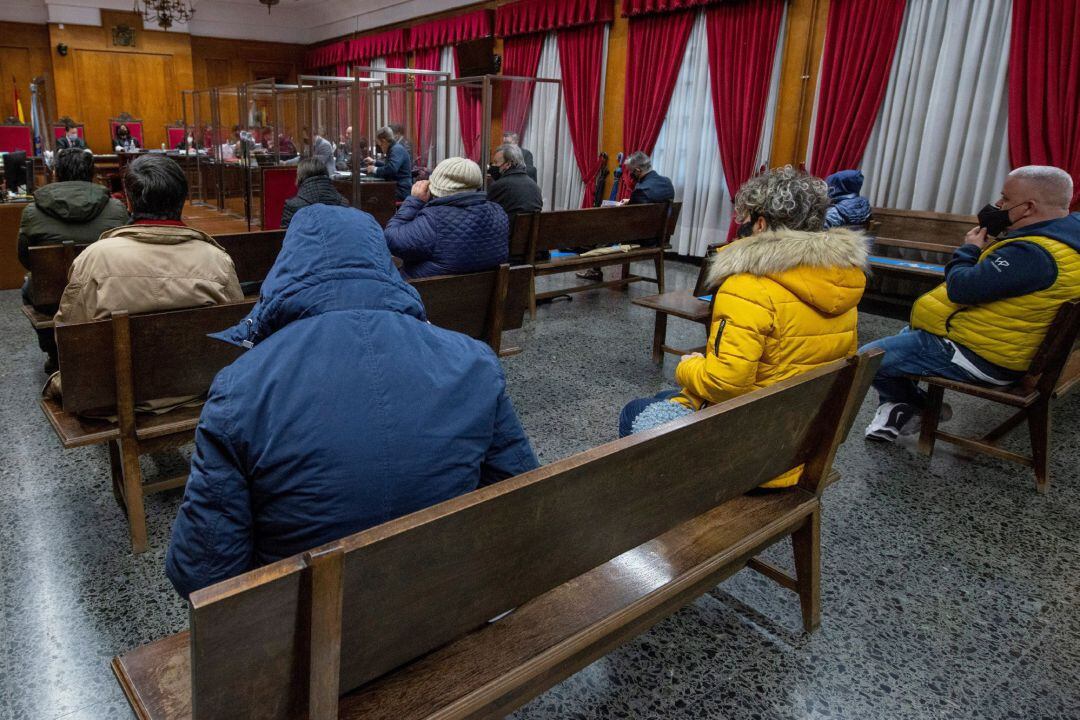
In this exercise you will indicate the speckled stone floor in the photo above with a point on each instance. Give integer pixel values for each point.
(950, 587)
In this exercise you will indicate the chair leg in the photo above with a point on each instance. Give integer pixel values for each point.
(659, 264)
(659, 337)
(806, 544)
(931, 415)
(625, 273)
(1039, 426)
(116, 467)
(532, 299)
(133, 494)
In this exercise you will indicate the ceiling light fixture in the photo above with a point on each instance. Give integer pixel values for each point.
(269, 4)
(165, 12)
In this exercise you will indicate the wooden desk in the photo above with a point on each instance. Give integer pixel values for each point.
(11, 272)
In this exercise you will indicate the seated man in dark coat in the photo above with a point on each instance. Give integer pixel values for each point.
(512, 138)
(848, 206)
(313, 187)
(70, 139)
(649, 185)
(397, 166)
(448, 226)
(512, 188)
(348, 410)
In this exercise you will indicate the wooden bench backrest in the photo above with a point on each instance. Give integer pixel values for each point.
(1054, 354)
(253, 253)
(49, 267)
(590, 228)
(477, 304)
(921, 226)
(348, 612)
(169, 352)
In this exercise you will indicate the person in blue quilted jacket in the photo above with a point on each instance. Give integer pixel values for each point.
(346, 410)
(848, 206)
(447, 226)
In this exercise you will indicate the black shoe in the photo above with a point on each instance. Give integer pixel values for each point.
(893, 420)
(596, 275)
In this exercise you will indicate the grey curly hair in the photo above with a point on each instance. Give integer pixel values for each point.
(786, 198)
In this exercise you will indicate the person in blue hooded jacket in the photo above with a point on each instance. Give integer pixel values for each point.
(347, 410)
(448, 226)
(848, 206)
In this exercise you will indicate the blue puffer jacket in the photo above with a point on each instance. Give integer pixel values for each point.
(452, 235)
(348, 410)
(848, 206)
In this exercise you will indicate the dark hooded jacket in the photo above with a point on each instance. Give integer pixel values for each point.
(74, 210)
(848, 206)
(348, 410)
(452, 235)
(314, 190)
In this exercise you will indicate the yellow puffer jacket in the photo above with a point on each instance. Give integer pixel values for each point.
(785, 303)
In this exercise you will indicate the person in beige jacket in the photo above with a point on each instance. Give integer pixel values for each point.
(156, 263)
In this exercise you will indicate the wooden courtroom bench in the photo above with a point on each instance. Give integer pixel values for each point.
(536, 233)
(588, 552)
(694, 305)
(1054, 371)
(910, 250)
(113, 365)
(253, 254)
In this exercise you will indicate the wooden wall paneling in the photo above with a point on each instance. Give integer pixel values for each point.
(220, 62)
(803, 45)
(25, 53)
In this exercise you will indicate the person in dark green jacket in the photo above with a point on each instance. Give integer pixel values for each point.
(74, 208)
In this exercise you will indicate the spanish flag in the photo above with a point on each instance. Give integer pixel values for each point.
(16, 103)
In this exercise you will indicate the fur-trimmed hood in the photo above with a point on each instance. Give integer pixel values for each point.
(824, 269)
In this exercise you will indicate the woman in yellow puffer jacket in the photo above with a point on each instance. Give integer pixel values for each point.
(785, 301)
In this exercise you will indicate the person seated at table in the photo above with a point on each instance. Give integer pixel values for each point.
(242, 142)
(343, 151)
(189, 142)
(348, 409)
(73, 208)
(512, 138)
(155, 263)
(124, 140)
(1002, 289)
(396, 167)
(313, 186)
(286, 147)
(513, 190)
(848, 206)
(447, 226)
(70, 138)
(786, 297)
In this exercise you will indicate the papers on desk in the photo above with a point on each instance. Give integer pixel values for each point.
(609, 203)
(342, 175)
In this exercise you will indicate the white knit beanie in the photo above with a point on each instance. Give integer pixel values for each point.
(454, 175)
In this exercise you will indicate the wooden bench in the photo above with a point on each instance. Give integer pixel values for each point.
(536, 233)
(113, 365)
(481, 305)
(253, 254)
(588, 552)
(685, 304)
(910, 250)
(1054, 371)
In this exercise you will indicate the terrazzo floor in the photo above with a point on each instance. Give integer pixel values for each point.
(950, 587)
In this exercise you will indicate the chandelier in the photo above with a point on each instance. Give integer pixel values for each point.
(165, 12)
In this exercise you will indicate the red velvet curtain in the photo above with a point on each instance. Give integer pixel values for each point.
(451, 30)
(531, 16)
(742, 45)
(397, 96)
(471, 114)
(655, 50)
(521, 58)
(859, 46)
(631, 8)
(1044, 86)
(581, 56)
(426, 59)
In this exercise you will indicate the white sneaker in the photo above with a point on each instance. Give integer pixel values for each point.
(893, 420)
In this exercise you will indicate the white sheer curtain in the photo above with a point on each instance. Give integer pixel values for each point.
(546, 128)
(456, 147)
(940, 142)
(687, 150)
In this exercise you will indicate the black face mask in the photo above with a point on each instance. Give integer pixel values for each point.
(745, 230)
(995, 219)
(494, 172)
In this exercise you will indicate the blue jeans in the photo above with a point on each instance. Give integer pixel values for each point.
(913, 352)
(634, 408)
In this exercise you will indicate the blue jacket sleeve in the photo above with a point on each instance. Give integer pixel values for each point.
(213, 535)
(1017, 268)
(832, 217)
(510, 453)
(394, 161)
(410, 235)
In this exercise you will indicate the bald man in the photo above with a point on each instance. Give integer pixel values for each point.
(1002, 289)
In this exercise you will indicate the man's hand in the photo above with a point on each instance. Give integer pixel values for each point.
(684, 358)
(976, 236)
(420, 190)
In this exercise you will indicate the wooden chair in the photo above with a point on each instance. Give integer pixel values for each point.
(588, 552)
(591, 228)
(481, 305)
(112, 365)
(684, 304)
(1054, 371)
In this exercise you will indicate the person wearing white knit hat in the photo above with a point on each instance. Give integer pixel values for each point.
(447, 226)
